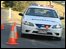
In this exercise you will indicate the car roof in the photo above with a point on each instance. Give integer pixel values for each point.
(45, 7)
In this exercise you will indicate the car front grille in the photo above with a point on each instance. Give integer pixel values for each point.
(42, 25)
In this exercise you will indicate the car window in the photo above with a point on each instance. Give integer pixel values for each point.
(41, 12)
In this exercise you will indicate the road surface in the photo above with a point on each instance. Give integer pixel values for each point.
(28, 41)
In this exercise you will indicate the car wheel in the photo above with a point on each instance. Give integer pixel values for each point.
(21, 29)
(58, 38)
(21, 34)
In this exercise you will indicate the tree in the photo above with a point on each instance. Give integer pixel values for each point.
(18, 5)
(21, 5)
(8, 3)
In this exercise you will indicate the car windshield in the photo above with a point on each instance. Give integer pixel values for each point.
(41, 12)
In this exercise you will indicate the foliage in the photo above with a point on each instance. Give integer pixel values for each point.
(17, 5)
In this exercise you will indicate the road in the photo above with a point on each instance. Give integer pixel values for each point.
(28, 41)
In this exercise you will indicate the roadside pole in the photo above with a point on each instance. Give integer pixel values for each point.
(10, 10)
(10, 13)
(10, 7)
(50, 4)
(64, 14)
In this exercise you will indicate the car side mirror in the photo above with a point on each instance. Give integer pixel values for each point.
(20, 14)
(61, 18)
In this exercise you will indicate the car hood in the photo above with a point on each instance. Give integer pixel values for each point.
(41, 20)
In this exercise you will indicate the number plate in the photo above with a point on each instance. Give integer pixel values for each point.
(42, 31)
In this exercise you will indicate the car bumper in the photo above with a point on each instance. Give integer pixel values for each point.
(33, 30)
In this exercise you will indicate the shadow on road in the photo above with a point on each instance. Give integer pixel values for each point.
(34, 37)
(38, 37)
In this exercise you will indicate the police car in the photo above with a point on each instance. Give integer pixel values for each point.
(41, 20)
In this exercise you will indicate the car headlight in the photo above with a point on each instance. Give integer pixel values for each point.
(28, 23)
(56, 26)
